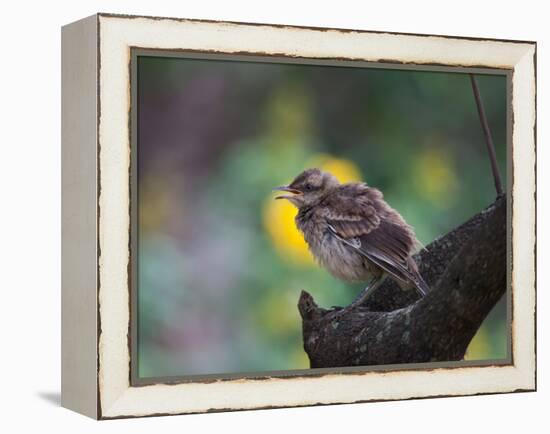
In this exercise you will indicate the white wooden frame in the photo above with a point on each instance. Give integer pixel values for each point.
(96, 219)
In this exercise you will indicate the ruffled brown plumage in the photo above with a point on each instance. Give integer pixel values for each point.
(353, 232)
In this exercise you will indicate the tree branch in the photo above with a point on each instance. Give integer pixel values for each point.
(466, 270)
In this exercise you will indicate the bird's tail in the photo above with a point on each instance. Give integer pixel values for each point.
(421, 285)
(419, 246)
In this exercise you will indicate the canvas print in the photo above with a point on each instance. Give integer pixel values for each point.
(295, 216)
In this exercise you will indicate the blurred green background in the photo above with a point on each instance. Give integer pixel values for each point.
(220, 263)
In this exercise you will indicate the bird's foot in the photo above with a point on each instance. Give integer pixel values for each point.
(338, 312)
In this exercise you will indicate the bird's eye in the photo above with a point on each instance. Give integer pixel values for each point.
(308, 187)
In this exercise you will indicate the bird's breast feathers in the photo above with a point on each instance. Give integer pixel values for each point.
(353, 232)
(339, 258)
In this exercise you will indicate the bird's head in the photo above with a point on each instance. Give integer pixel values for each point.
(308, 188)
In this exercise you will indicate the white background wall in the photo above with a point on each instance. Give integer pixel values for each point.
(30, 216)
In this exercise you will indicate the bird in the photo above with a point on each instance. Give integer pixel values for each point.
(353, 232)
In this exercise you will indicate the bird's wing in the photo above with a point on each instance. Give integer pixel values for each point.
(377, 232)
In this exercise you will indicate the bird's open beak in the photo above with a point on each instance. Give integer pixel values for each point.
(286, 188)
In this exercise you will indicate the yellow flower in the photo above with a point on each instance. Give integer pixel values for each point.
(278, 215)
(279, 223)
(277, 312)
(479, 346)
(434, 177)
(154, 206)
(299, 358)
(289, 114)
(344, 170)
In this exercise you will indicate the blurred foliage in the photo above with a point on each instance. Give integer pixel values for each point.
(220, 263)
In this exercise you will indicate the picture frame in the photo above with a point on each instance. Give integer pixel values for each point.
(98, 280)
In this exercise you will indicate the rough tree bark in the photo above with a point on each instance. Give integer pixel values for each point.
(466, 271)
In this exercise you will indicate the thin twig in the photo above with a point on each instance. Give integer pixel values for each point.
(488, 137)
